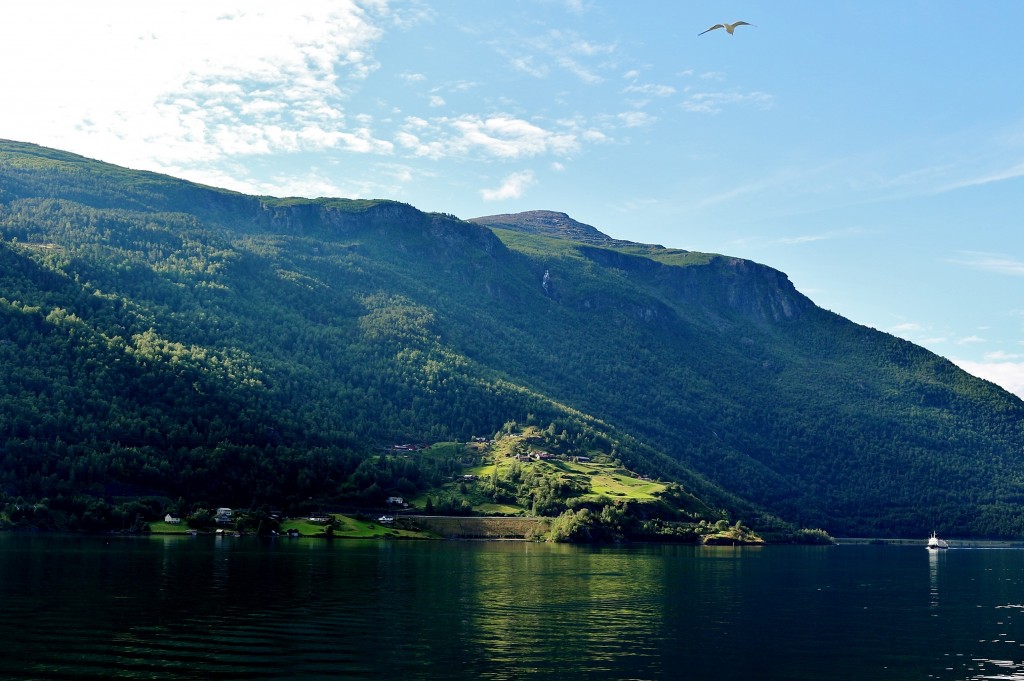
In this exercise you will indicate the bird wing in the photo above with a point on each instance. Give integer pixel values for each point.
(741, 23)
(712, 28)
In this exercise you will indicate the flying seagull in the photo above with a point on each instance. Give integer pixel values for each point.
(729, 28)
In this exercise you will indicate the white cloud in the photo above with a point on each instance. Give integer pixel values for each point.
(636, 119)
(1002, 356)
(196, 81)
(499, 136)
(436, 100)
(652, 89)
(512, 187)
(1008, 375)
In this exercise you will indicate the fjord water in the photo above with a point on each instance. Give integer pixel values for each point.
(243, 608)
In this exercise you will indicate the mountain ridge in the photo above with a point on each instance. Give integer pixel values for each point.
(549, 223)
(286, 339)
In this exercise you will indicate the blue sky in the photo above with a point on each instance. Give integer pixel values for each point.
(873, 151)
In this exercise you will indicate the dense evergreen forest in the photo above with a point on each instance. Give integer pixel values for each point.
(164, 342)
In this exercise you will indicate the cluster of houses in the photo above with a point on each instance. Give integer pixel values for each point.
(223, 516)
(408, 448)
(226, 516)
(538, 455)
(535, 455)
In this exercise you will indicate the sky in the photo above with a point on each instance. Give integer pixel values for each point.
(871, 150)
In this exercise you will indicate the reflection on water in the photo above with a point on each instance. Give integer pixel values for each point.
(933, 574)
(241, 608)
(976, 585)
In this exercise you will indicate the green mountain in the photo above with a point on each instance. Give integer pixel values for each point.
(162, 339)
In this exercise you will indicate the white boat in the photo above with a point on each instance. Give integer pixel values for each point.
(934, 543)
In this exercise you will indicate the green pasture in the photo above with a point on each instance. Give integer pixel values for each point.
(615, 482)
(347, 527)
(160, 527)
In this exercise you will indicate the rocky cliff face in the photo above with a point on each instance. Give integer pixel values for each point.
(715, 283)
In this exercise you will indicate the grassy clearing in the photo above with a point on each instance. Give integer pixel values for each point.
(604, 479)
(618, 483)
(302, 526)
(347, 527)
(498, 509)
(160, 527)
(444, 450)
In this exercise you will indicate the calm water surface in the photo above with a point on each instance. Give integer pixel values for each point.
(205, 608)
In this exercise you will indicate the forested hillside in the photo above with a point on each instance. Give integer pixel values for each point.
(160, 339)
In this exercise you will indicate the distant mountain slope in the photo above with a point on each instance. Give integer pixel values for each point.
(160, 337)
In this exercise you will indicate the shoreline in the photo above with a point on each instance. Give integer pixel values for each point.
(953, 543)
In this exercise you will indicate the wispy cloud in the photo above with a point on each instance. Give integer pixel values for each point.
(556, 49)
(529, 65)
(823, 236)
(970, 340)
(576, 6)
(991, 262)
(804, 239)
(512, 187)
(736, 192)
(1011, 173)
(651, 89)
(715, 102)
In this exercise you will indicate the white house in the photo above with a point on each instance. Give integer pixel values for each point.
(171, 520)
